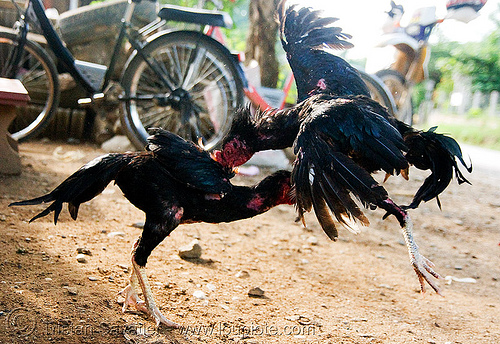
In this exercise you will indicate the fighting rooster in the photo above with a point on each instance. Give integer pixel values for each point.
(340, 137)
(173, 182)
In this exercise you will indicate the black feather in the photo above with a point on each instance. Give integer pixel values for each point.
(187, 162)
(323, 215)
(428, 150)
(323, 175)
(308, 29)
(83, 185)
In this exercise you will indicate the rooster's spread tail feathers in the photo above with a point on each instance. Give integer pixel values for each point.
(83, 185)
(306, 36)
(428, 150)
(308, 29)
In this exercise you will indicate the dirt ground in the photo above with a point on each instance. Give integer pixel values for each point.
(360, 289)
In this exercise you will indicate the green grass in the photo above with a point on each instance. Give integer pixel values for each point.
(480, 131)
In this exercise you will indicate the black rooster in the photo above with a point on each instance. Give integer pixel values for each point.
(174, 182)
(341, 136)
(304, 35)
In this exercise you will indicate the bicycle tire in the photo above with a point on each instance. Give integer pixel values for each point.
(400, 91)
(215, 86)
(379, 92)
(39, 76)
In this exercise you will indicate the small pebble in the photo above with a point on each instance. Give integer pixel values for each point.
(93, 279)
(83, 250)
(200, 295)
(312, 240)
(80, 258)
(124, 267)
(116, 234)
(304, 320)
(71, 290)
(256, 292)
(242, 274)
(191, 251)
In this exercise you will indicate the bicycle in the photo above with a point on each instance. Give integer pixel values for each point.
(183, 81)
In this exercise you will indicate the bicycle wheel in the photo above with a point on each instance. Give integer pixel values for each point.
(398, 87)
(207, 89)
(37, 72)
(379, 92)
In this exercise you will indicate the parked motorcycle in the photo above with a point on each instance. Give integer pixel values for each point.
(413, 52)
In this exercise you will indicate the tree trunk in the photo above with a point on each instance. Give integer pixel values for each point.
(261, 39)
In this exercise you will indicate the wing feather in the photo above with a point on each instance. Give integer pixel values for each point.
(438, 153)
(188, 163)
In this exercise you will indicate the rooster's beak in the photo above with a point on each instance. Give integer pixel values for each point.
(217, 156)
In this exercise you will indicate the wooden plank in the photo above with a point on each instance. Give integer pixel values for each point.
(12, 92)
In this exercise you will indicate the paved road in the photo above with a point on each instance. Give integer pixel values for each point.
(486, 160)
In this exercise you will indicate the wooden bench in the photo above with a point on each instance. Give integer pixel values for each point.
(12, 95)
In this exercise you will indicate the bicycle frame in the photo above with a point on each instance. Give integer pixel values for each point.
(67, 60)
(250, 91)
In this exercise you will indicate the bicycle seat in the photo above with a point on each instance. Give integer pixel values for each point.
(196, 16)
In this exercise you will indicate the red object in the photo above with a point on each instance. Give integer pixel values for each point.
(12, 92)
(256, 99)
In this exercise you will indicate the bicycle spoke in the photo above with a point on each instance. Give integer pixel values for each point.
(176, 64)
(160, 63)
(36, 82)
(205, 124)
(204, 75)
(170, 123)
(149, 83)
(152, 118)
(194, 67)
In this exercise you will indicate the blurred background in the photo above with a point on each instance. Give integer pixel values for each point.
(459, 91)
